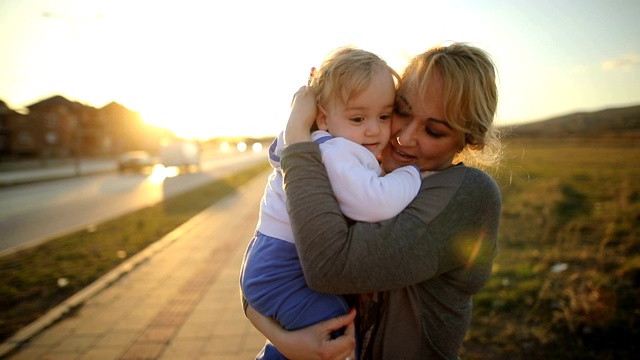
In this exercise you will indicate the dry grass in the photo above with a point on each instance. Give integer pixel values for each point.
(567, 281)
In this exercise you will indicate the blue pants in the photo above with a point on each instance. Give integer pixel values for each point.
(273, 283)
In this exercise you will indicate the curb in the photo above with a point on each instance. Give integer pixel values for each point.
(7, 183)
(76, 300)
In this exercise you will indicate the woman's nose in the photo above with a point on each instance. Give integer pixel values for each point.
(405, 137)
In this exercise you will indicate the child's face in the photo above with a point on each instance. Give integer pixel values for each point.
(364, 119)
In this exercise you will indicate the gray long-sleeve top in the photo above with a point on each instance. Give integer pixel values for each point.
(426, 262)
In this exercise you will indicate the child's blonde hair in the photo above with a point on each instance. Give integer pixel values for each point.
(346, 72)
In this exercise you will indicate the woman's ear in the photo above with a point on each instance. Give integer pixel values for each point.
(321, 119)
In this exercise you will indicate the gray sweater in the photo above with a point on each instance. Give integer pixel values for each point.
(417, 272)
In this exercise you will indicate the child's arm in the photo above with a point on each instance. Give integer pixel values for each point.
(362, 193)
(275, 149)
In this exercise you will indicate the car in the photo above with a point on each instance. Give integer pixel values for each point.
(136, 161)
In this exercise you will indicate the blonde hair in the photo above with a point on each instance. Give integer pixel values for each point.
(470, 96)
(345, 72)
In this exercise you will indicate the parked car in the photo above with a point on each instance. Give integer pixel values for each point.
(135, 161)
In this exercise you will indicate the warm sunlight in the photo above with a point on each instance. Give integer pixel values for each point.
(206, 69)
(183, 124)
(202, 120)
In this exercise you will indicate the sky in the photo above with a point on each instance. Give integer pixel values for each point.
(230, 68)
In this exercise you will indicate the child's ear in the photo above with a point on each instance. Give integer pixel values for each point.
(321, 119)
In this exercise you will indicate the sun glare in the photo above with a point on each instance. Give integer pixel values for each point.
(184, 125)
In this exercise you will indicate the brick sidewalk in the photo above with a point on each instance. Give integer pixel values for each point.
(181, 301)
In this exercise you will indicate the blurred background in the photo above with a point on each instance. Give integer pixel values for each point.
(161, 100)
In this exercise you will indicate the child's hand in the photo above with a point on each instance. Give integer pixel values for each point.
(302, 117)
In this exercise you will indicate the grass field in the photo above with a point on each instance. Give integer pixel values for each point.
(566, 284)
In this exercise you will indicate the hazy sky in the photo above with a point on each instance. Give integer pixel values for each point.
(215, 68)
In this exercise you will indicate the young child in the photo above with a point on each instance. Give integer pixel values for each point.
(355, 93)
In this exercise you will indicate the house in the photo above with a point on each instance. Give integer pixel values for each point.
(55, 123)
(125, 131)
(59, 128)
(17, 138)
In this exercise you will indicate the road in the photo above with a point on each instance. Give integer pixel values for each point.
(34, 213)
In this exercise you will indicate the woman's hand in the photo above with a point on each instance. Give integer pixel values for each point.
(302, 117)
(313, 342)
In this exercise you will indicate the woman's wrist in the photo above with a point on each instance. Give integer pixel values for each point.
(294, 133)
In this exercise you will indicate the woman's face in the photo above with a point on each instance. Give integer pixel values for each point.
(420, 135)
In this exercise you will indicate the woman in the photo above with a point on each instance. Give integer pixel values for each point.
(415, 273)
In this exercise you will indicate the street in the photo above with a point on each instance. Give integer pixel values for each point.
(34, 213)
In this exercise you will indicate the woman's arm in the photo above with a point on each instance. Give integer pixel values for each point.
(313, 342)
(436, 233)
(335, 257)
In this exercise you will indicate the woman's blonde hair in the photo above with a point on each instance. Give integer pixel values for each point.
(346, 72)
(470, 96)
